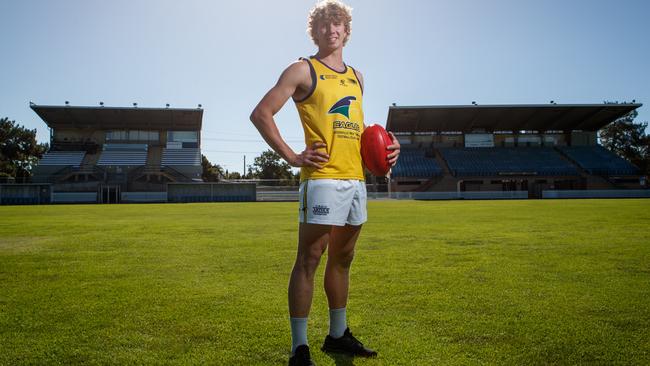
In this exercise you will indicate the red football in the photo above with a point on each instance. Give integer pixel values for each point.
(374, 152)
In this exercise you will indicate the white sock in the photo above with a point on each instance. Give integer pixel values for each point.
(298, 332)
(338, 322)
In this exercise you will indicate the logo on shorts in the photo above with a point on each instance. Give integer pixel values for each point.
(342, 107)
(321, 210)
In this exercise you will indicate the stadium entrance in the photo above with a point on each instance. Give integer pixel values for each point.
(109, 194)
(514, 185)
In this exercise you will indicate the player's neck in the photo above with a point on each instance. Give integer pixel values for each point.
(332, 58)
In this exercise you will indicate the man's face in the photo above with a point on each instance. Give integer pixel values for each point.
(331, 34)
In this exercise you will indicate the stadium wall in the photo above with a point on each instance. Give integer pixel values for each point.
(476, 195)
(143, 197)
(74, 197)
(605, 193)
(469, 195)
(25, 194)
(211, 192)
(33, 194)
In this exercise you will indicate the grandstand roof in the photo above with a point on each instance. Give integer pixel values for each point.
(119, 117)
(530, 117)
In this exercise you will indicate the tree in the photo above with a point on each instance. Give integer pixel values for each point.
(233, 175)
(628, 140)
(211, 173)
(19, 151)
(270, 165)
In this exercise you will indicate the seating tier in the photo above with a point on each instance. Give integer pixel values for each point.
(413, 163)
(181, 157)
(503, 160)
(123, 154)
(63, 158)
(598, 160)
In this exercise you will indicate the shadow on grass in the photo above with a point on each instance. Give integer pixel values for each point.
(340, 359)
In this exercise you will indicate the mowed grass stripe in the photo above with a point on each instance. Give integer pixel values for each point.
(433, 282)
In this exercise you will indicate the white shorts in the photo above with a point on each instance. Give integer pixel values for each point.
(333, 202)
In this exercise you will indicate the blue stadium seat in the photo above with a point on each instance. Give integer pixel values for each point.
(599, 161)
(173, 157)
(123, 154)
(413, 163)
(63, 158)
(489, 161)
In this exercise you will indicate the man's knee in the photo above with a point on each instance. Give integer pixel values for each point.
(308, 260)
(342, 259)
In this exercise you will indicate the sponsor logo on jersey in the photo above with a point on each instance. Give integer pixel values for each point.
(325, 77)
(321, 210)
(342, 107)
(346, 125)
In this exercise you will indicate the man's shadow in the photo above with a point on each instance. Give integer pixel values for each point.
(340, 359)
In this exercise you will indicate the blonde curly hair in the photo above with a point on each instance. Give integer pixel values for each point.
(329, 11)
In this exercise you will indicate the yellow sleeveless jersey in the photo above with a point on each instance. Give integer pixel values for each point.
(331, 113)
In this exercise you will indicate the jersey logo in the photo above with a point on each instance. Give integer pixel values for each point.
(342, 107)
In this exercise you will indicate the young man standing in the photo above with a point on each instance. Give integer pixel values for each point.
(328, 95)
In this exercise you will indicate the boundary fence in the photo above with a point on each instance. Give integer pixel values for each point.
(30, 194)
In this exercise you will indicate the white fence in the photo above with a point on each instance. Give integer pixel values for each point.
(143, 197)
(277, 195)
(474, 195)
(469, 195)
(608, 193)
(14, 195)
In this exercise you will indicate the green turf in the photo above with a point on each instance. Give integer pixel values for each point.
(433, 282)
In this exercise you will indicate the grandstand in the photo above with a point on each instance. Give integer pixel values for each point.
(114, 154)
(106, 151)
(496, 148)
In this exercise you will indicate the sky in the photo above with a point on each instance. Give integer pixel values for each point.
(226, 55)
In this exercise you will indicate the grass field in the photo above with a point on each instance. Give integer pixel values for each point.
(433, 282)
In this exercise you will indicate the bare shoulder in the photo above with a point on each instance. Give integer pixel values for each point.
(301, 64)
(297, 72)
(297, 78)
